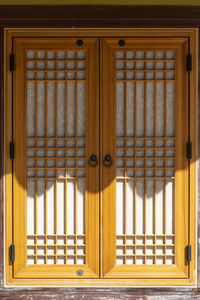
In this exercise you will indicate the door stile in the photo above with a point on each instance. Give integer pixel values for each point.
(40, 261)
(93, 148)
(101, 157)
(109, 194)
(168, 241)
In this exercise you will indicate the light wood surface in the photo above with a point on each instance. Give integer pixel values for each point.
(100, 216)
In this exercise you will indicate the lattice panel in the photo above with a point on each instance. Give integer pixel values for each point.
(145, 154)
(56, 88)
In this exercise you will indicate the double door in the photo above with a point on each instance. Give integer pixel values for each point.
(100, 174)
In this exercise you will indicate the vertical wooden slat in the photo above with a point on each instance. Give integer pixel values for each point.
(135, 135)
(125, 159)
(145, 134)
(26, 144)
(86, 147)
(66, 153)
(46, 145)
(56, 157)
(155, 182)
(75, 182)
(36, 154)
(176, 93)
(101, 154)
(165, 135)
(115, 130)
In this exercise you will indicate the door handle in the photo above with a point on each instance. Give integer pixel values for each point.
(108, 161)
(93, 161)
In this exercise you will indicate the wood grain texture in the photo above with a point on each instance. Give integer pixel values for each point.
(90, 268)
(99, 16)
(99, 2)
(107, 124)
(50, 17)
(111, 268)
(1, 151)
(93, 294)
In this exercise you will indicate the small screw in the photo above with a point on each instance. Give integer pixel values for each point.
(79, 272)
(121, 42)
(79, 42)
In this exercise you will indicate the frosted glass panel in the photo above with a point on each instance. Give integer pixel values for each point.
(31, 109)
(61, 109)
(30, 207)
(120, 109)
(150, 109)
(145, 156)
(130, 207)
(41, 207)
(130, 109)
(56, 156)
(81, 109)
(81, 206)
(170, 108)
(170, 207)
(70, 207)
(160, 109)
(139, 207)
(41, 110)
(140, 109)
(159, 207)
(51, 109)
(71, 109)
(119, 212)
(149, 206)
(61, 207)
(50, 208)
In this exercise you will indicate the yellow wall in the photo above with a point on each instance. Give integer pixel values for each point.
(101, 2)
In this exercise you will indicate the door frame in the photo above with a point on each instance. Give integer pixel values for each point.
(9, 35)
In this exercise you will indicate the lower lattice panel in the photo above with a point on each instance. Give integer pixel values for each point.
(142, 250)
(56, 249)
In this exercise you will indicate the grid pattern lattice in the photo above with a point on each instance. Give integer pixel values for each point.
(56, 89)
(145, 154)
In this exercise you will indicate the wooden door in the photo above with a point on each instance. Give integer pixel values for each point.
(56, 125)
(62, 227)
(145, 179)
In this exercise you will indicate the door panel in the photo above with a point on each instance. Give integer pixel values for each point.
(145, 191)
(56, 193)
(144, 216)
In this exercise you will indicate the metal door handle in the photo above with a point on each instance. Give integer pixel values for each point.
(93, 161)
(108, 161)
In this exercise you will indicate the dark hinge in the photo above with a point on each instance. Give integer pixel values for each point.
(189, 150)
(12, 62)
(12, 252)
(188, 252)
(189, 62)
(12, 150)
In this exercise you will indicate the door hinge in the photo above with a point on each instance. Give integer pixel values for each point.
(12, 150)
(189, 62)
(189, 150)
(12, 252)
(12, 62)
(189, 253)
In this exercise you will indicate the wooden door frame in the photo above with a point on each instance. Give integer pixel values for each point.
(9, 34)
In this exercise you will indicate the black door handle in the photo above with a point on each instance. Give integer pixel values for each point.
(93, 161)
(108, 161)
